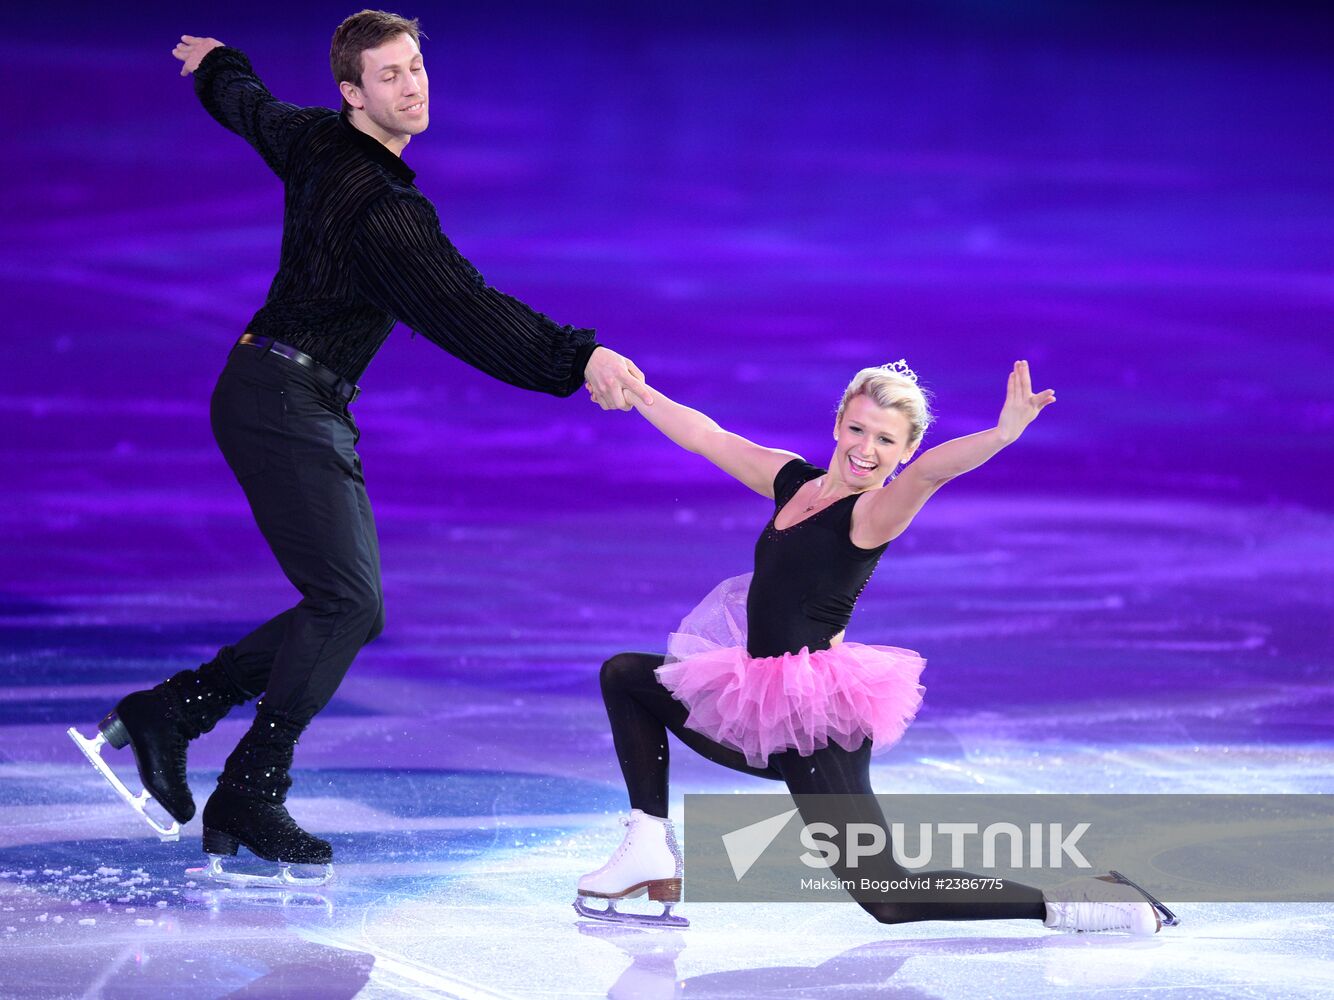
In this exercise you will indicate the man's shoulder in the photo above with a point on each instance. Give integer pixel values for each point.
(376, 191)
(319, 124)
(386, 206)
(319, 117)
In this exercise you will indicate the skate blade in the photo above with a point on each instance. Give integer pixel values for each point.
(612, 915)
(1165, 916)
(282, 879)
(92, 749)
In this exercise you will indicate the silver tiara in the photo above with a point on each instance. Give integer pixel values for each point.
(901, 369)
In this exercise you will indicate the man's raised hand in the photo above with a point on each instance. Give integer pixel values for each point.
(191, 51)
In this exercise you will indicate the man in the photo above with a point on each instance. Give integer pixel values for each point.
(361, 249)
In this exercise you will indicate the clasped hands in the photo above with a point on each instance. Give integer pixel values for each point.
(614, 381)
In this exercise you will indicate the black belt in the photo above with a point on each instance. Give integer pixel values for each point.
(340, 386)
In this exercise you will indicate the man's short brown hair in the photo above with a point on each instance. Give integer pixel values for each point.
(367, 29)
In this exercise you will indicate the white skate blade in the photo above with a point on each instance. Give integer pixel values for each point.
(92, 749)
(614, 916)
(282, 879)
(1165, 916)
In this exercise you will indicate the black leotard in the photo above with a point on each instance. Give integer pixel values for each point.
(808, 576)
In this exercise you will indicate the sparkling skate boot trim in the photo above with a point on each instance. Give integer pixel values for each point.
(116, 736)
(1166, 918)
(282, 879)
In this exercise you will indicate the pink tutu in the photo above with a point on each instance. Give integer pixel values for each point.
(803, 700)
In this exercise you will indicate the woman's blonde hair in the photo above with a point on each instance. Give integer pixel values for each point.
(892, 387)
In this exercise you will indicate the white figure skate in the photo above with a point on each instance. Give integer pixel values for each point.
(648, 861)
(1108, 902)
(113, 732)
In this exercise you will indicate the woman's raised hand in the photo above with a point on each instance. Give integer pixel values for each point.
(1022, 404)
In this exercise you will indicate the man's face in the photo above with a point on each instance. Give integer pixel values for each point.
(394, 90)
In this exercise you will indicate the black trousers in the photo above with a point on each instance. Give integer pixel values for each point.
(291, 443)
(830, 786)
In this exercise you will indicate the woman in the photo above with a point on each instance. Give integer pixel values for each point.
(782, 696)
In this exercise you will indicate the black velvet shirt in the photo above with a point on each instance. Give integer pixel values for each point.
(362, 249)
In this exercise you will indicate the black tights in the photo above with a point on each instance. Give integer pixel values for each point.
(641, 711)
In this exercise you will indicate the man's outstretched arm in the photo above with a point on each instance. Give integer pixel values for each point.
(406, 266)
(231, 92)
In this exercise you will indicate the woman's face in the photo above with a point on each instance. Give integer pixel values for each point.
(872, 442)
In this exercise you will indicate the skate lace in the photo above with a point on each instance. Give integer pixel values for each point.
(173, 727)
(176, 758)
(625, 842)
(288, 828)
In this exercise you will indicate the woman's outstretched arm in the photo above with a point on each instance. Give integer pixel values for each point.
(752, 464)
(892, 509)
